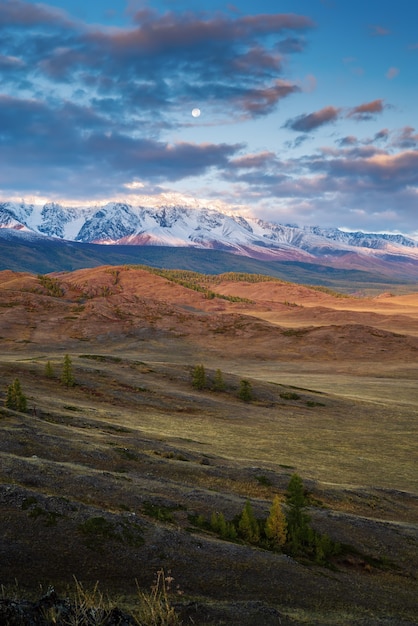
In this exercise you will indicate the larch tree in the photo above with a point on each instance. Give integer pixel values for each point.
(67, 376)
(245, 391)
(276, 525)
(15, 398)
(199, 377)
(218, 382)
(299, 532)
(248, 528)
(49, 372)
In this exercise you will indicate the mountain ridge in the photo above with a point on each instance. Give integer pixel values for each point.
(123, 224)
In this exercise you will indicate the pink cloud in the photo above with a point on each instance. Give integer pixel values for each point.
(379, 31)
(392, 73)
(306, 123)
(256, 101)
(367, 110)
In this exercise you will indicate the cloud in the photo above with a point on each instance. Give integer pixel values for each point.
(406, 138)
(231, 60)
(102, 101)
(367, 110)
(350, 140)
(102, 98)
(392, 73)
(382, 135)
(102, 151)
(375, 186)
(307, 123)
(379, 31)
(372, 169)
(296, 143)
(262, 101)
(250, 161)
(19, 13)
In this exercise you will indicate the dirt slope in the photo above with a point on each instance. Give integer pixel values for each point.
(132, 304)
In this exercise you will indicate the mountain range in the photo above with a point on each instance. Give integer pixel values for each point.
(393, 256)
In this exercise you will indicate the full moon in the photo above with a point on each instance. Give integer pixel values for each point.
(196, 112)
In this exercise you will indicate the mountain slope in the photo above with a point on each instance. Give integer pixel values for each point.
(21, 251)
(120, 224)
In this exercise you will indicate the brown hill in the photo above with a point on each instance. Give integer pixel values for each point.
(257, 318)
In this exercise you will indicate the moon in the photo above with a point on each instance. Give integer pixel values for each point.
(196, 112)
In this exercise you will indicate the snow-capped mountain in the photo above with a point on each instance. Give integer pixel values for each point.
(121, 223)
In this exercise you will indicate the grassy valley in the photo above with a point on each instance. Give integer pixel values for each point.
(114, 474)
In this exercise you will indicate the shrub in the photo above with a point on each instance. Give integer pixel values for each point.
(289, 395)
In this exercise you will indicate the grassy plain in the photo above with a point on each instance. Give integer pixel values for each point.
(134, 445)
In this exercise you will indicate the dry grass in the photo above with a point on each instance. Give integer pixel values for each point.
(134, 431)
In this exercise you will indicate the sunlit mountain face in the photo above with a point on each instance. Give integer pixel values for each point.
(124, 224)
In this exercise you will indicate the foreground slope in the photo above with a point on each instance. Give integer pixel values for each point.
(102, 480)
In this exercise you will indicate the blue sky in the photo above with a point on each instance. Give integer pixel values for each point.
(308, 107)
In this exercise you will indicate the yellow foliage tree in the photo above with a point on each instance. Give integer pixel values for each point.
(276, 525)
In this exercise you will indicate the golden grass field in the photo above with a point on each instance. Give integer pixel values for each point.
(335, 391)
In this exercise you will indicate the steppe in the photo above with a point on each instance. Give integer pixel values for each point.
(334, 381)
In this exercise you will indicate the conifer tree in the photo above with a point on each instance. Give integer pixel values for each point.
(49, 372)
(214, 522)
(15, 398)
(222, 526)
(276, 524)
(199, 377)
(67, 376)
(248, 528)
(219, 383)
(245, 392)
(299, 532)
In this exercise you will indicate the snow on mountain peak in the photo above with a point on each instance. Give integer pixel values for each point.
(174, 224)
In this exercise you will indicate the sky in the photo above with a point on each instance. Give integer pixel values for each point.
(308, 108)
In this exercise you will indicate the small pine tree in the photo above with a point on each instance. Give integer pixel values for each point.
(299, 532)
(10, 400)
(199, 377)
(325, 548)
(49, 372)
(15, 398)
(248, 528)
(231, 531)
(67, 376)
(276, 525)
(219, 383)
(245, 391)
(214, 522)
(222, 526)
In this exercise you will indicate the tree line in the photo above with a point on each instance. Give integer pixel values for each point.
(287, 528)
(200, 381)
